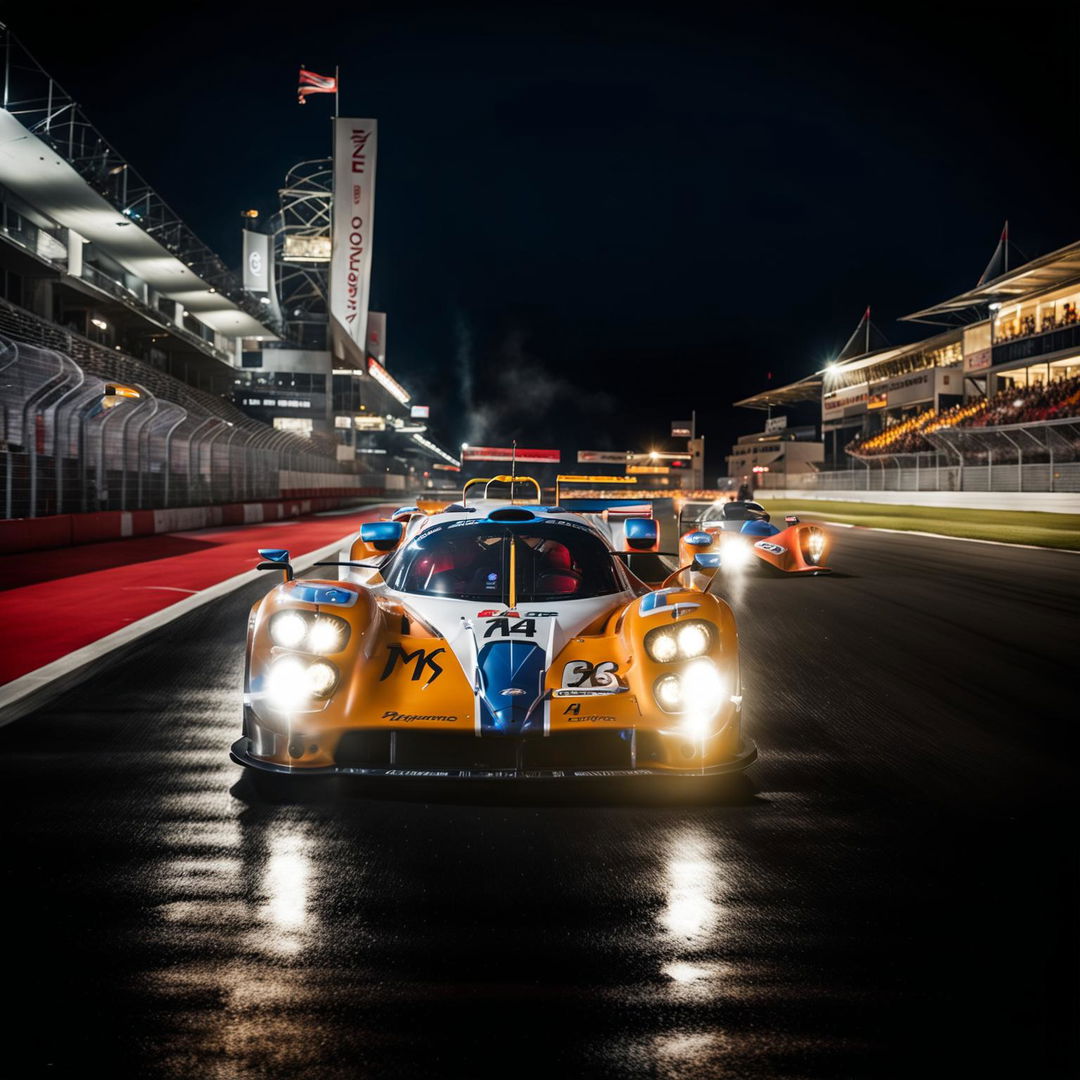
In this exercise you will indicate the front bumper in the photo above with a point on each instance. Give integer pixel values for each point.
(241, 753)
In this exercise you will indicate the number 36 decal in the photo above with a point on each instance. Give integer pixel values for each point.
(582, 673)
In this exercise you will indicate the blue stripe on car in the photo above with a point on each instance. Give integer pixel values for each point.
(510, 665)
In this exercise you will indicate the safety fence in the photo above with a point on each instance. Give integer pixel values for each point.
(1042, 457)
(66, 446)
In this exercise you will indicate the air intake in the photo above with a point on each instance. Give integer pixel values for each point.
(511, 513)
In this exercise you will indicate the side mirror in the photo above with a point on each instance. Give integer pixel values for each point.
(276, 559)
(765, 516)
(382, 535)
(706, 560)
(698, 540)
(791, 519)
(641, 534)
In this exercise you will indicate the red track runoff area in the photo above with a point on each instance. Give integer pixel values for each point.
(54, 602)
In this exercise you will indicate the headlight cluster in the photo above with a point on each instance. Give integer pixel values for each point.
(683, 641)
(698, 691)
(735, 554)
(308, 632)
(815, 546)
(292, 681)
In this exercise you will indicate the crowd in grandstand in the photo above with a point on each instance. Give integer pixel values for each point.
(1011, 405)
(1025, 326)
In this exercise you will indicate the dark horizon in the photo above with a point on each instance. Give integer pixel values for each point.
(599, 220)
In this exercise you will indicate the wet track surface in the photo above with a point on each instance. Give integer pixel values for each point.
(891, 892)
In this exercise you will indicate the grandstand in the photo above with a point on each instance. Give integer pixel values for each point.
(1008, 360)
(100, 276)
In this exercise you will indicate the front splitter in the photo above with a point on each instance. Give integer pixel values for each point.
(240, 752)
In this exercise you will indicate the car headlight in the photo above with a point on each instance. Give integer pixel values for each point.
(661, 645)
(815, 546)
(682, 641)
(693, 640)
(286, 683)
(292, 682)
(321, 678)
(288, 629)
(328, 635)
(697, 692)
(669, 693)
(736, 554)
(302, 630)
(703, 689)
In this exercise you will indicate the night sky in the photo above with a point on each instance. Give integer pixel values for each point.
(590, 220)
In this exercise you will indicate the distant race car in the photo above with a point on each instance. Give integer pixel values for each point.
(495, 639)
(737, 535)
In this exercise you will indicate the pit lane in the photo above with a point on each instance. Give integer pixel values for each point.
(892, 891)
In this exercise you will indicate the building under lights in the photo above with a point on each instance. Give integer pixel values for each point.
(89, 248)
(320, 376)
(1018, 328)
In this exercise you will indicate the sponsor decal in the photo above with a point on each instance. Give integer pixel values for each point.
(772, 549)
(407, 718)
(655, 600)
(589, 693)
(583, 673)
(658, 603)
(525, 627)
(494, 613)
(573, 716)
(420, 659)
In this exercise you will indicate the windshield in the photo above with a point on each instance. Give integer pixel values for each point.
(471, 561)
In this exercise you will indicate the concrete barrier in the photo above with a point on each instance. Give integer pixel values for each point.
(66, 530)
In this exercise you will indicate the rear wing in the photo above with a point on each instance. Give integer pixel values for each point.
(487, 481)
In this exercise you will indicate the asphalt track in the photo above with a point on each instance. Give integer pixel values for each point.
(893, 892)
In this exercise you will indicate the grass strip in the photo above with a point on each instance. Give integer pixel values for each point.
(1007, 526)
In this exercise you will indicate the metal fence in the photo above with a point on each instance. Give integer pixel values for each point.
(1040, 457)
(63, 451)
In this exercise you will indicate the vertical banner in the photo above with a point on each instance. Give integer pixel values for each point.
(256, 262)
(376, 336)
(354, 205)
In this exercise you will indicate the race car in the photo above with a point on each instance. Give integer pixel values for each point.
(740, 535)
(493, 639)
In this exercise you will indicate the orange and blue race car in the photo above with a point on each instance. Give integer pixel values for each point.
(740, 535)
(495, 638)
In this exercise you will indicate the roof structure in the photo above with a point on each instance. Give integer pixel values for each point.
(53, 158)
(806, 389)
(1039, 275)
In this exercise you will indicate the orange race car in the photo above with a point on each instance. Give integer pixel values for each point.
(495, 639)
(740, 535)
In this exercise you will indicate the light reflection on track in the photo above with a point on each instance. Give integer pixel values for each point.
(828, 918)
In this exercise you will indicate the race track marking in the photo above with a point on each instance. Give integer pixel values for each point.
(946, 536)
(162, 588)
(23, 695)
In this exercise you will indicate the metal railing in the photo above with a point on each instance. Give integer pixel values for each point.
(30, 236)
(44, 108)
(63, 451)
(1039, 457)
